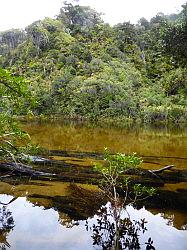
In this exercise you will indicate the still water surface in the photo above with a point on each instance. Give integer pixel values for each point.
(40, 228)
(44, 220)
(41, 223)
(161, 145)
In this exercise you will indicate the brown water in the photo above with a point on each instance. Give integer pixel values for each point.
(45, 216)
(158, 145)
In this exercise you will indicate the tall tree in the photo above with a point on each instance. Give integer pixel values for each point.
(79, 17)
(176, 38)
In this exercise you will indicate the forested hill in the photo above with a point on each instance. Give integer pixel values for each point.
(79, 66)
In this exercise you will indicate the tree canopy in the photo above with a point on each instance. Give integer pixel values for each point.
(80, 66)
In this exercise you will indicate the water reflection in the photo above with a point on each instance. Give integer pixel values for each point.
(118, 232)
(146, 141)
(6, 226)
(38, 227)
(47, 216)
(174, 218)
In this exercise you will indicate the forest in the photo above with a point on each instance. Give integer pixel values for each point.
(79, 171)
(78, 66)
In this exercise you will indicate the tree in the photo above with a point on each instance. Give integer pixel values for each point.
(113, 232)
(12, 38)
(176, 38)
(39, 35)
(81, 66)
(79, 17)
(14, 96)
(144, 23)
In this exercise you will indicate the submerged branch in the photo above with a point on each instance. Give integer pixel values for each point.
(158, 171)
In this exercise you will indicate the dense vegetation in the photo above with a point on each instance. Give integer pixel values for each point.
(14, 96)
(79, 66)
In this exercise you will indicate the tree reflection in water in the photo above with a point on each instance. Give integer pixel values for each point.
(112, 232)
(6, 225)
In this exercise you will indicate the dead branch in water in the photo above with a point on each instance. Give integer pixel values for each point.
(23, 169)
(158, 171)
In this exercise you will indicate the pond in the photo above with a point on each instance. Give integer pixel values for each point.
(45, 215)
(161, 145)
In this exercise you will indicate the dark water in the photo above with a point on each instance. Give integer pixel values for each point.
(45, 218)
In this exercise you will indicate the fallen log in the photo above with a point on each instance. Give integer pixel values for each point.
(158, 171)
(20, 168)
(62, 171)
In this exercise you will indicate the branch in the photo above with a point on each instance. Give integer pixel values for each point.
(158, 171)
(5, 204)
(10, 144)
(20, 168)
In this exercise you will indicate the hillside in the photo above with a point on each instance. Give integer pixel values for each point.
(78, 66)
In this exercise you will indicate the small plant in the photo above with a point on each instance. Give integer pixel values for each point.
(120, 193)
(113, 171)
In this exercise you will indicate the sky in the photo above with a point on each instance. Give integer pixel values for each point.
(20, 13)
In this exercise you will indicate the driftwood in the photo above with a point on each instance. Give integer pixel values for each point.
(81, 174)
(20, 168)
(158, 171)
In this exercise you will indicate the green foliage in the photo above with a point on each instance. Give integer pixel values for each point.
(99, 95)
(140, 190)
(10, 39)
(117, 164)
(39, 35)
(11, 88)
(176, 36)
(81, 67)
(175, 81)
(14, 95)
(78, 17)
(113, 172)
